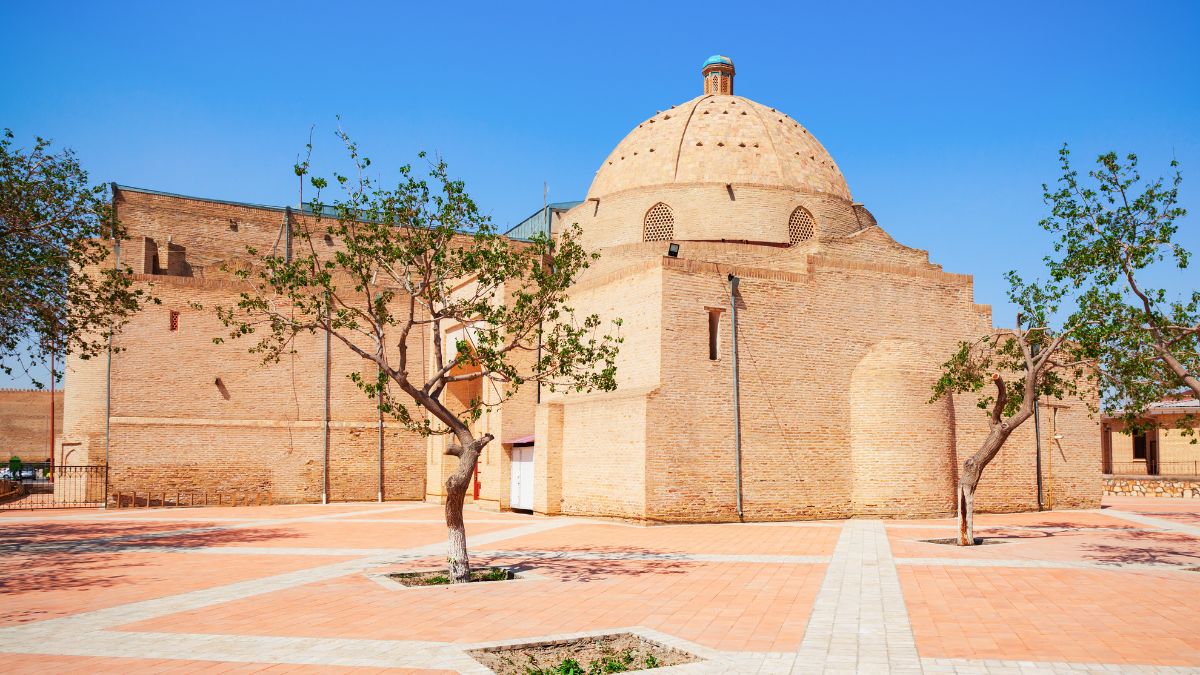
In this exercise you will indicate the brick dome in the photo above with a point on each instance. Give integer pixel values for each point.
(718, 138)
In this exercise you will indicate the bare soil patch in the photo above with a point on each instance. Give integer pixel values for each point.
(617, 653)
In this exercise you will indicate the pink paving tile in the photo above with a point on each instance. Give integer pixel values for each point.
(1184, 511)
(41, 663)
(1150, 503)
(335, 533)
(67, 531)
(728, 606)
(731, 538)
(436, 512)
(1054, 544)
(41, 586)
(1083, 616)
(1076, 519)
(273, 511)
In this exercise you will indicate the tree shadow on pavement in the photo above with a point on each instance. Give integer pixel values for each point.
(1163, 548)
(85, 564)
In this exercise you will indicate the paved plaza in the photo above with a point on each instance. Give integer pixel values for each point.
(301, 589)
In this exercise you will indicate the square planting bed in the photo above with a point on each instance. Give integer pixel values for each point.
(442, 578)
(616, 653)
(953, 541)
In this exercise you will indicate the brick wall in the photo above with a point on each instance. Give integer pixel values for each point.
(840, 339)
(25, 423)
(838, 354)
(188, 414)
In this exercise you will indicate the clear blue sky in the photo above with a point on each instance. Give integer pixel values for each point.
(946, 118)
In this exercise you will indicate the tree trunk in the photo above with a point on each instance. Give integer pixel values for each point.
(456, 494)
(966, 513)
(460, 564)
(972, 471)
(1190, 380)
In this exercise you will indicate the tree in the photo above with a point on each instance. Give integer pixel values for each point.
(1036, 358)
(1111, 229)
(415, 260)
(56, 294)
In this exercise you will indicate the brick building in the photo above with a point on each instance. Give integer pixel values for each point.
(840, 332)
(1160, 460)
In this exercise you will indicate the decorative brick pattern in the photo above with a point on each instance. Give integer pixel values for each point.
(660, 223)
(801, 226)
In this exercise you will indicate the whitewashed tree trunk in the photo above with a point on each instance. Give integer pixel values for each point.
(966, 514)
(456, 494)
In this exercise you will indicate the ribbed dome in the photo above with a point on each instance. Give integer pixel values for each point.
(720, 139)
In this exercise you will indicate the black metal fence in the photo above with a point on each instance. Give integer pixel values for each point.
(38, 485)
(1153, 468)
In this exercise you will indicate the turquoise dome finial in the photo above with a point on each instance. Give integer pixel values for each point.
(718, 75)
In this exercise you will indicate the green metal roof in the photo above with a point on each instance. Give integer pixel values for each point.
(539, 221)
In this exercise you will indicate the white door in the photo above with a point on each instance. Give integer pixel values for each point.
(522, 478)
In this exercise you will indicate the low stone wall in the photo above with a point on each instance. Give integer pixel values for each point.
(1186, 487)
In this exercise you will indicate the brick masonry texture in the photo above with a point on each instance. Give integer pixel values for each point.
(191, 415)
(840, 339)
(25, 423)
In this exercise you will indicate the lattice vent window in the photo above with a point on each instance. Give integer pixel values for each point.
(659, 224)
(801, 226)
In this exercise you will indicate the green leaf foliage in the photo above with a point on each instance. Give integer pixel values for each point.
(59, 292)
(391, 271)
(1111, 227)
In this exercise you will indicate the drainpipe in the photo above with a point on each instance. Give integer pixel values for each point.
(546, 217)
(325, 461)
(380, 447)
(52, 347)
(287, 233)
(108, 360)
(1037, 431)
(737, 406)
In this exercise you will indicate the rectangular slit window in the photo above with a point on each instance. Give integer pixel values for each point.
(1139, 446)
(714, 334)
(174, 320)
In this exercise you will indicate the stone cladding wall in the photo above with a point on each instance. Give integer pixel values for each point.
(1124, 486)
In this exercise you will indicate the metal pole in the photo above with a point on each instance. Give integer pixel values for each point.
(380, 440)
(737, 407)
(287, 230)
(1037, 430)
(325, 463)
(52, 412)
(108, 360)
(549, 234)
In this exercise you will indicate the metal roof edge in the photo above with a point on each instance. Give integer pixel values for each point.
(553, 206)
(560, 206)
(161, 193)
